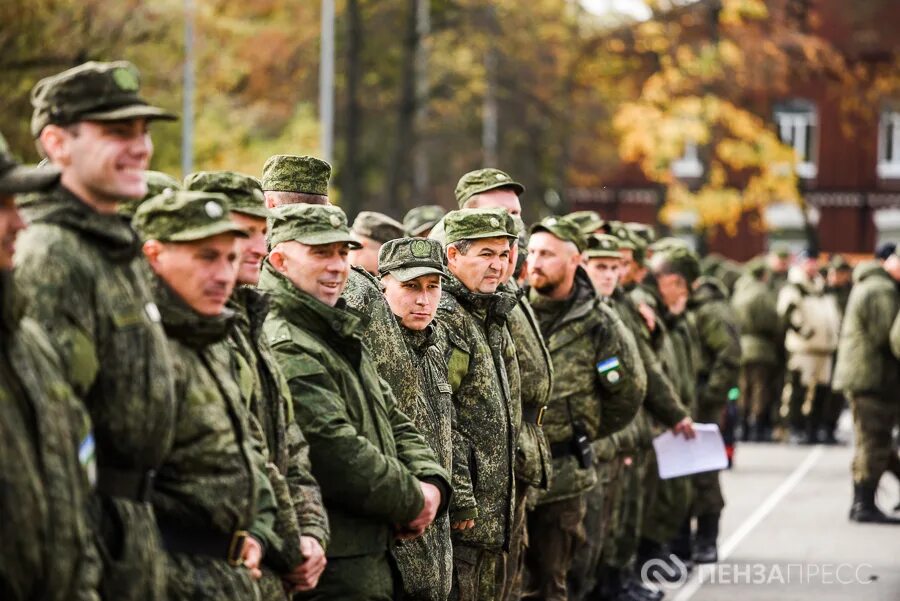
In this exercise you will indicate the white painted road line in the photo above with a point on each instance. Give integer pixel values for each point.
(765, 508)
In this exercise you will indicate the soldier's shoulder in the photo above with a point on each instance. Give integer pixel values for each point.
(44, 240)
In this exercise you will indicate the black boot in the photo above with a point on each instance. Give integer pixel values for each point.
(706, 546)
(637, 590)
(864, 509)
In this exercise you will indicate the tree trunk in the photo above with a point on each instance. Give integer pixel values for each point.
(398, 177)
(350, 175)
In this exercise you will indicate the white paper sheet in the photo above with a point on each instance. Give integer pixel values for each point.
(678, 456)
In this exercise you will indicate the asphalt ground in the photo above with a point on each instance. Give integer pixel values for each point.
(785, 534)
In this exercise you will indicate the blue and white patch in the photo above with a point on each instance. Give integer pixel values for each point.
(608, 369)
(87, 457)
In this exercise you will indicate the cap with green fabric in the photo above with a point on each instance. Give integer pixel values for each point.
(668, 243)
(157, 183)
(625, 238)
(243, 191)
(603, 246)
(19, 179)
(377, 226)
(641, 232)
(561, 227)
(294, 173)
(421, 219)
(588, 221)
(484, 180)
(309, 224)
(93, 91)
(756, 266)
(475, 224)
(678, 260)
(183, 216)
(409, 258)
(839, 263)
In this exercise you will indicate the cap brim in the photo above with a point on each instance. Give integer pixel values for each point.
(133, 111)
(493, 234)
(332, 237)
(207, 231)
(419, 230)
(602, 254)
(405, 274)
(261, 212)
(21, 179)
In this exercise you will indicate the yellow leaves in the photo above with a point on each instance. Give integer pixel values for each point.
(737, 12)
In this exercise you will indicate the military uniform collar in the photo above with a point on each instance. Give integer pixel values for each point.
(250, 307)
(498, 304)
(62, 207)
(183, 323)
(418, 340)
(307, 312)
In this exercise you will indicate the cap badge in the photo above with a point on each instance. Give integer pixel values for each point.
(213, 209)
(495, 222)
(126, 79)
(334, 220)
(420, 249)
(500, 177)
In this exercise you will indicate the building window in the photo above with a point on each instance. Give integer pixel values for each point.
(797, 127)
(689, 165)
(889, 145)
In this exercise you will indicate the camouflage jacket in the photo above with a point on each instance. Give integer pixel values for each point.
(269, 397)
(757, 317)
(214, 478)
(895, 337)
(426, 563)
(864, 359)
(80, 274)
(486, 419)
(599, 380)
(720, 348)
(43, 498)
(366, 455)
(534, 465)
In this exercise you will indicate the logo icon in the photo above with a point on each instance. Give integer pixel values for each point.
(420, 249)
(126, 79)
(660, 574)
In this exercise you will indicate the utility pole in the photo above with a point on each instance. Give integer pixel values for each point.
(187, 108)
(326, 82)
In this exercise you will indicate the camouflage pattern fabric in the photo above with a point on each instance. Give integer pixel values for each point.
(291, 173)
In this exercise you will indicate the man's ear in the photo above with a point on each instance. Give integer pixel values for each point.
(53, 143)
(277, 258)
(152, 250)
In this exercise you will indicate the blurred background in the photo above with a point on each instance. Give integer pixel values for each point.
(734, 124)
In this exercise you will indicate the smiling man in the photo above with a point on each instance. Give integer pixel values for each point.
(79, 268)
(379, 478)
(212, 498)
(478, 251)
(302, 523)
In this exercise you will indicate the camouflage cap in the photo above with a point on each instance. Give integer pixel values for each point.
(475, 224)
(641, 233)
(668, 243)
(92, 91)
(520, 230)
(377, 226)
(677, 260)
(309, 224)
(603, 246)
(19, 179)
(561, 227)
(588, 222)
(756, 266)
(293, 173)
(484, 180)
(839, 263)
(410, 258)
(157, 183)
(625, 238)
(243, 191)
(182, 216)
(422, 219)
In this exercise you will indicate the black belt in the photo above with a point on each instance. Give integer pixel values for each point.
(188, 540)
(136, 485)
(534, 415)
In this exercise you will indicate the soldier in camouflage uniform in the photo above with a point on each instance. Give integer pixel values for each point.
(485, 380)
(661, 406)
(212, 498)
(372, 230)
(720, 357)
(869, 374)
(379, 479)
(418, 221)
(45, 435)
(492, 188)
(302, 522)
(157, 183)
(79, 269)
(598, 386)
(411, 271)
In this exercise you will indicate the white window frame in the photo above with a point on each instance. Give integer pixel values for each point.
(689, 165)
(798, 126)
(889, 144)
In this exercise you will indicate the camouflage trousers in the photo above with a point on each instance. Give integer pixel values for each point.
(874, 418)
(360, 578)
(201, 578)
(425, 564)
(708, 499)
(511, 571)
(583, 576)
(627, 517)
(759, 396)
(556, 531)
(475, 574)
(665, 513)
